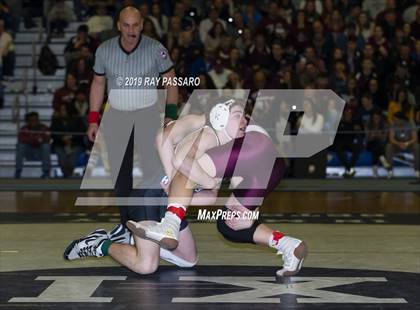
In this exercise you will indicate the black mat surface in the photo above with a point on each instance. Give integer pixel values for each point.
(208, 287)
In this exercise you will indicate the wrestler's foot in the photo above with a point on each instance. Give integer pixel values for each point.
(294, 252)
(164, 233)
(120, 234)
(87, 246)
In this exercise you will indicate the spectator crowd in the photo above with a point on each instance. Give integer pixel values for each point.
(368, 52)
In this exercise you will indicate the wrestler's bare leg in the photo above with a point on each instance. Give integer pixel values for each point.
(294, 250)
(185, 255)
(143, 257)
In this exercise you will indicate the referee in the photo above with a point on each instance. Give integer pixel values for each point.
(133, 117)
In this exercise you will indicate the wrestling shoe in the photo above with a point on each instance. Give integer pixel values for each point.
(349, 173)
(294, 252)
(120, 234)
(384, 162)
(164, 233)
(87, 246)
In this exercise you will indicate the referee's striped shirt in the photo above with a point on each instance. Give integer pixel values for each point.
(131, 76)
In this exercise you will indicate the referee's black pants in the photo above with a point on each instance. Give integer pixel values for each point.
(142, 138)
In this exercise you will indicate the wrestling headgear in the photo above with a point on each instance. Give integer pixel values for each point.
(219, 114)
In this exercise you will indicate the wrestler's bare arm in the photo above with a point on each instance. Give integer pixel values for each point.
(172, 134)
(187, 155)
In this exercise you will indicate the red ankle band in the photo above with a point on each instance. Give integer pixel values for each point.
(178, 211)
(276, 237)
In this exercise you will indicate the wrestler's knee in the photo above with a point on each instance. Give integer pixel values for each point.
(226, 231)
(145, 267)
(192, 259)
(240, 236)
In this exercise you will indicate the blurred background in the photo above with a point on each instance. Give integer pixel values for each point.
(368, 52)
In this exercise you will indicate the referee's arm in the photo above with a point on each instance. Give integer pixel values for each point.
(96, 98)
(171, 97)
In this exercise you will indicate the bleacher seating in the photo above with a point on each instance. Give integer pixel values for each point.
(40, 102)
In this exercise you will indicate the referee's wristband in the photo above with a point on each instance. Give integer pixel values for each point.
(93, 117)
(171, 111)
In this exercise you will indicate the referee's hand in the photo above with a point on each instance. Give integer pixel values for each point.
(92, 131)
